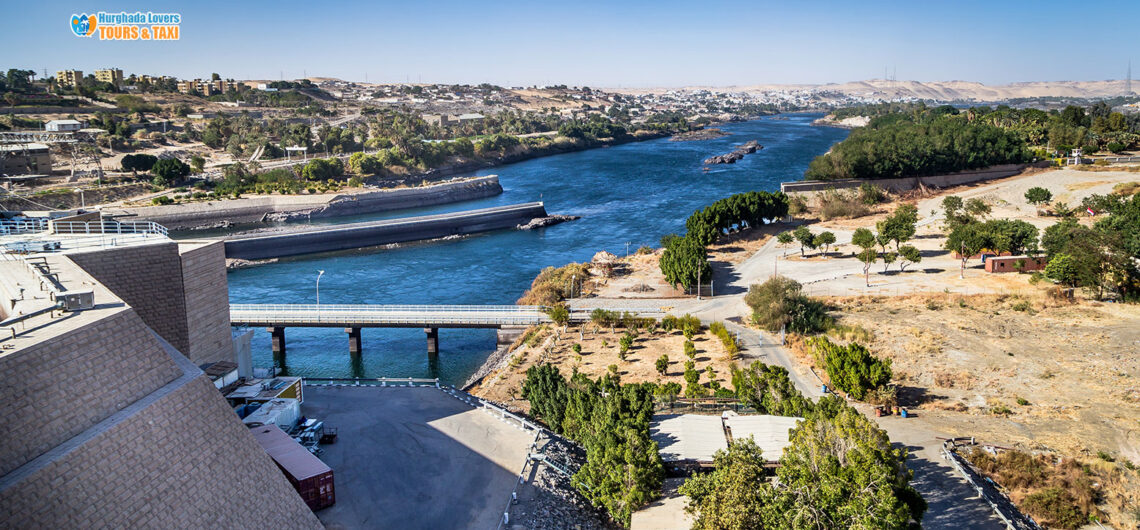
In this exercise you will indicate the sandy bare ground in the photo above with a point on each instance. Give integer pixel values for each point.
(599, 351)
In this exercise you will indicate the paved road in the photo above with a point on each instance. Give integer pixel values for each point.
(952, 503)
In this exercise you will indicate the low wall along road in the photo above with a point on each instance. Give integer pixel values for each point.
(910, 183)
(357, 235)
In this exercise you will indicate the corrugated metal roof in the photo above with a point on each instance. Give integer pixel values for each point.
(290, 455)
(769, 432)
(687, 436)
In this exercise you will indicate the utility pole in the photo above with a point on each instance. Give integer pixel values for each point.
(319, 274)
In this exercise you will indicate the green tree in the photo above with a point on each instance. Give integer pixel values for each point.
(977, 207)
(968, 240)
(168, 171)
(663, 364)
(139, 162)
(840, 471)
(825, 239)
(908, 254)
(684, 262)
(768, 389)
(785, 239)
(735, 496)
(900, 225)
(805, 237)
(852, 368)
(559, 314)
(778, 302)
(1064, 269)
(1038, 196)
(197, 163)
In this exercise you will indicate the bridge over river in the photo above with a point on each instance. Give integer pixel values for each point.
(276, 317)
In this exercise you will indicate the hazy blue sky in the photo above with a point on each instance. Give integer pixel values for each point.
(633, 43)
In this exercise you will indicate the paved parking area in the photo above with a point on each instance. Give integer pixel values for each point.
(415, 458)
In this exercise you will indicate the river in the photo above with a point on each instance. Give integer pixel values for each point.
(632, 193)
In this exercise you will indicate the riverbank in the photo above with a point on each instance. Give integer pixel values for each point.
(277, 208)
(311, 240)
(606, 187)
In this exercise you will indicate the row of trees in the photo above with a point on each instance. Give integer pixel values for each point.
(685, 260)
(904, 145)
(739, 211)
(1102, 258)
(623, 471)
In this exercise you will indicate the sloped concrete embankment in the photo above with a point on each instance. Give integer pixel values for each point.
(357, 235)
(268, 208)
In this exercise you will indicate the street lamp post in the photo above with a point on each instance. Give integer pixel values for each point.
(319, 274)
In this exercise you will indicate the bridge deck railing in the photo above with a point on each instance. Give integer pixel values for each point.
(366, 308)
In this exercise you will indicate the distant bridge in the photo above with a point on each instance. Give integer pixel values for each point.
(277, 317)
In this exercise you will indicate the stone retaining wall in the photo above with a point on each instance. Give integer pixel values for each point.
(910, 183)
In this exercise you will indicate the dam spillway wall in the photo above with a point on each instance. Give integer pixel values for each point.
(358, 235)
(275, 207)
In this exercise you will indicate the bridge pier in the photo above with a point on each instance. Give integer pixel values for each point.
(278, 335)
(354, 342)
(432, 343)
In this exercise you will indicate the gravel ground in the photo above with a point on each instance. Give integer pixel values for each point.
(547, 500)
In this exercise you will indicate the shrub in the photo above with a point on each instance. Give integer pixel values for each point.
(576, 348)
(553, 285)
(836, 204)
(690, 349)
(852, 368)
(777, 303)
(162, 200)
(1055, 507)
(731, 347)
(871, 194)
(624, 344)
(559, 313)
(663, 364)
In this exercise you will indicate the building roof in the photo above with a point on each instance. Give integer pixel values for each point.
(470, 116)
(65, 122)
(290, 455)
(23, 147)
(687, 436)
(769, 432)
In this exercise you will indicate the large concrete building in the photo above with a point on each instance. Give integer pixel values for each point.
(110, 75)
(109, 418)
(25, 159)
(68, 78)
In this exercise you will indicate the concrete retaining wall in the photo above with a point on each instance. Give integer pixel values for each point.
(287, 207)
(357, 235)
(910, 183)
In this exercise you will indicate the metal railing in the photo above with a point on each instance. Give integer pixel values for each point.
(42, 225)
(23, 226)
(345, 314)
(106, 227)
(386, 308)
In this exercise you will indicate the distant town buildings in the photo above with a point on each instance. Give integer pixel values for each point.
(113, 76)
(443, 120)
(68, 78)
(208, 88)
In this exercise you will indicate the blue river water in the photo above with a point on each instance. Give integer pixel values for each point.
(633, 193)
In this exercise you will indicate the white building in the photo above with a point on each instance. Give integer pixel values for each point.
(63, 125)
